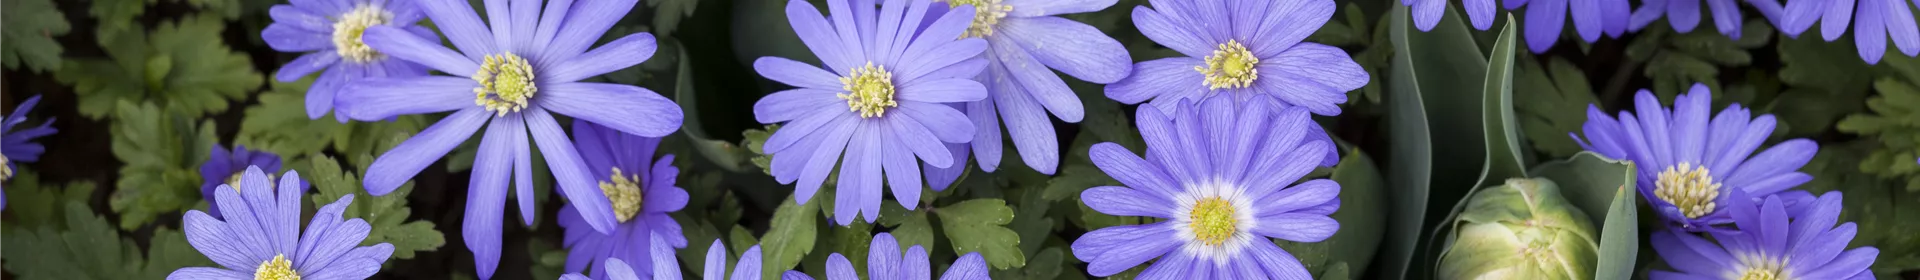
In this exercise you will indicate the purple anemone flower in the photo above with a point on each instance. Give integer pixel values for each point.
(1684, 15)
(1870, 19)
(525, 63)
(1769, 245)
(886, 97)
(747, 269)
(261, 239)
(16, 145)
(329, 32)
(1242, 48)
(225, 168)
(1591, 18)
(642, 192)
(1427, 13)
(885, 261)
(1026, 42)
(1220, 177)
(1689, 166)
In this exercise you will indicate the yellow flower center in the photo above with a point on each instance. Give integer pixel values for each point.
(1231, 66)
(1213, 221)
(1765, 270)
(1688, 187)
(276, 269)
(6, 171)
(987, 14)
(624, 192)
(506, 84)
(234, 181)
(347, 31)
(869, 91)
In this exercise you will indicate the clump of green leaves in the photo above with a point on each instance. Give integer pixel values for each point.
(87, 247)
(279, 124)
(1894, 121)
(34, 204)
(1555, 103)
(1677, 61)
(28, 38)
(755, 140)
(162, 149)
(181, 64)
(387, 214)
(1353, 31)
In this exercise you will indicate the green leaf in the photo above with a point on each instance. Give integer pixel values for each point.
(1885, 212)
(854, 240)
(1604, 189)
(549, 261)
(1554, 102)
(700, 237)
(667, 14)
(28, 38)
(387, 214)
(910, 228)
(1363, 210)
(182, 65)
(163, 151)
(33, 204)
(979, 225)
(117, 15)
(789, 238)
(89, 248)
(1502, 140)
(1677, 61)
(1447, 62)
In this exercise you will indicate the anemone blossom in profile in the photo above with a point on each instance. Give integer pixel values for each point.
(886, 100)
(224, 167)
(526, 65)
(18, 146)
(642, 192)
(1689, 164)
(1220, 178)
(1873, 21)
(260, 238)
(1591, 18)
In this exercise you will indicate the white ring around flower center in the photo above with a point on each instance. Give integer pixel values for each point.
(1203, 243)
(1759, 267)
(348, 28)
(987, 14)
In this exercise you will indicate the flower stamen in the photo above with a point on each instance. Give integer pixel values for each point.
(277, 268)
(349, 27)
(234, 181)
(869, 91)
(1761, 268)
(1231, 66)
(6, 170)
(1213, 221)
(624, 192)
(987, 14)
(1688, 187)
(506, 84)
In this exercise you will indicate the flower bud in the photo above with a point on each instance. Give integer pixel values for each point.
(1521, 230)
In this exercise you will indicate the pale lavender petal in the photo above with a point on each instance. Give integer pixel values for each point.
(286, 38)
(1029, 127)
(1544, 19)
(1849, 263)
(381, 99)
(1835, 19)
(1427, 13)
(915, 265)
(1288, 23)
(716, 265)
(1278, 263)
(1297, 227)
(522, 165)
(207, 273)
(936, 36)
(795, 73)
(821, 37)
(1868, 32)
(938, 61)
(749, 266)
(1154, 78)
(613, 56)
(526, 17)
(1169, 32)
(986, 142)
(947, 123)
(969, 267)
(1131, 170)
(460, 24)
(793, 104)
(551, 19)
(626, 108)
(919, 141)
(1901, 26)
(1480, 13)
(1684, 15)
(902, 172)
(1037, 8)
(568, 170)
(1173, 266)
(883, 257)
(618, 270)
(1586, 18)
(1072, 47)
(1041, 85)
(485, 196)
(1123, 201)
(1649, 11)
(584, 25)
(300, 18)
(1726, 16)
(1782, 158)
(837, 136)
(306, 64)
(838, 268)
(1120, 258)
(942, 91)
(325, 90)
(1094, 244)
(211, 237)
(407, 46)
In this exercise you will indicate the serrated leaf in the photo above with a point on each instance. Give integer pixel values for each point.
(854, 241)
(117, 15)
(387, 214)
(181, 64)
(1552, 101)
(89, 248)
(163, 151)
(790, 236)
(28, 38)
(979, 225)
(32, 203)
